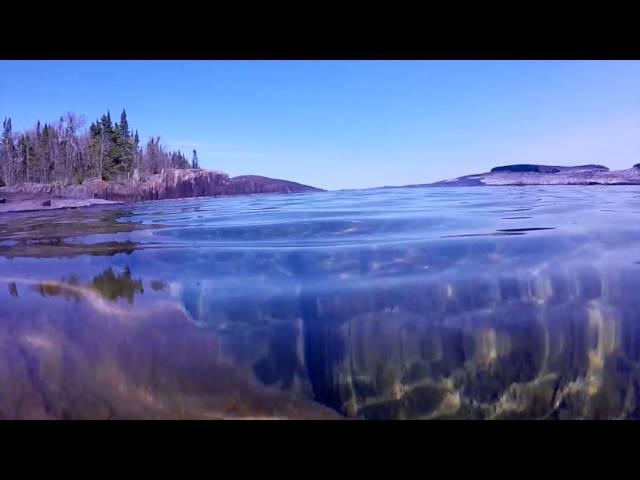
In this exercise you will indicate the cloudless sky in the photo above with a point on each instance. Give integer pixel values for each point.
(350, 124)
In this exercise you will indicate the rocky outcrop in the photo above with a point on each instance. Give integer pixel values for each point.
(170, 183)
(525, 174)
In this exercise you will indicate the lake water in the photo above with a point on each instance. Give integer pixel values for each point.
(425, 303)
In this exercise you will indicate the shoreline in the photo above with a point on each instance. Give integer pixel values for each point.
(168, 184)
(11, 202)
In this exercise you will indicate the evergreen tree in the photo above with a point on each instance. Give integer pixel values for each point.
(62, 151)
(95, 148)
(47, 153)
(194, 161)
(107, 157)
(121, 157)
(127, 147)
(124, 125)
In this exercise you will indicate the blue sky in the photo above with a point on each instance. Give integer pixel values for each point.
(350, 124)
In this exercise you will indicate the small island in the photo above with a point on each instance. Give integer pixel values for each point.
(531, 174)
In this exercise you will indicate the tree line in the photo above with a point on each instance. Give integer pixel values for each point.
(63, 151)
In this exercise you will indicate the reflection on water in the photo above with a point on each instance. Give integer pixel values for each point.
(55, 289)
(108, 285)
(56, 234)
(62, 249)
(329, 305)
(112, 286)
(158, 285)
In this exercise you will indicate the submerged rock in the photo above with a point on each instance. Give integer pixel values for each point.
(71, 351)
(551, 344)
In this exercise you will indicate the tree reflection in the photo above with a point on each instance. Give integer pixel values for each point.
(108, 285)
(159, 286)
(112, 286)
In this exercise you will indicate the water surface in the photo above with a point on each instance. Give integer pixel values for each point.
(486, 302)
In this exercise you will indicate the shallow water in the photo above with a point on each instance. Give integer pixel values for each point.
(490, 302)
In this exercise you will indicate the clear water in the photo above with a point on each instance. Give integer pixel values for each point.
(378, 304)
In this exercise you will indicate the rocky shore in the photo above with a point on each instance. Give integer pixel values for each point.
(24, 202)
(170, 183)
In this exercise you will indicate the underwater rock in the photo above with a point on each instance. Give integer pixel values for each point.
(86, 357)
(543, 353)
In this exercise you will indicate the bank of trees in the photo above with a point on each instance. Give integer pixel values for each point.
(66, 151)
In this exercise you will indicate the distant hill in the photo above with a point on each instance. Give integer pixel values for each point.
(259, 184)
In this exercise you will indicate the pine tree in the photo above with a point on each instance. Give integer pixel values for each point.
(47, 153)
(107, 154)
(124, 125)
(127, 146)
(95, 148)
(194, 161)
(121, 156)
